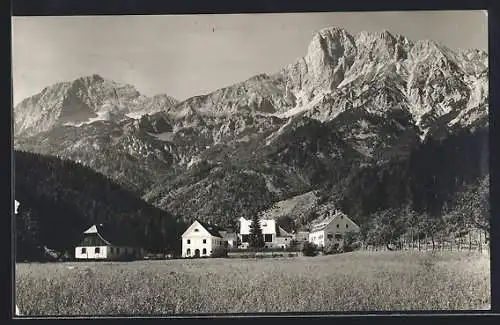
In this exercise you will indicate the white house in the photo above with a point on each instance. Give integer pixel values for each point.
(332, 229)
(274, 235)
(103, 243)
(201, 239)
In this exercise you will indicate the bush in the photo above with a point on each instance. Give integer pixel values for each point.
(352, 246)
(333, 248)
(309, 249)
(220, 251)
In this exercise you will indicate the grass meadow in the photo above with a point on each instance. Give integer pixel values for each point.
(357, 281)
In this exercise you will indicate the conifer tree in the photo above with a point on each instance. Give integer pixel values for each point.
(256, 239)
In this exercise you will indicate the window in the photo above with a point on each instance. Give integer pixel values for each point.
(188, 252)
(341, 217)
(118, 250)
(111, 249)
(204, 241)
(268, 238)
(204, 252)
(189, 241)
(244, 238)
(338, 236)
(196, 230)
(338, 225)
(346, 225)
(84, 250)
(329, 236)
(97, 250)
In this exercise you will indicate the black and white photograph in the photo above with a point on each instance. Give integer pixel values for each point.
(251, 163)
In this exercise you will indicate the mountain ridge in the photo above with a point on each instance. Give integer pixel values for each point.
(352, 101)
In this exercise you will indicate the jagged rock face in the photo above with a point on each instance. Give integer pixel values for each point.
(83, 100)
(381, 72)
(330, 54)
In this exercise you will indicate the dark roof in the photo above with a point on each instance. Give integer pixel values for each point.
(117, 236)
(286, 226)
(212, 229)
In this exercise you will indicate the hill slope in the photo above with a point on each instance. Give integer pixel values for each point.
(60, 199)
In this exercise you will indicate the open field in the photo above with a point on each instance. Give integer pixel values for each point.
(357, 281)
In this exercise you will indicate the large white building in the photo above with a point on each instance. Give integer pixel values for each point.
(274, 235)
(332, 229)
(103, 243)
(201, 239)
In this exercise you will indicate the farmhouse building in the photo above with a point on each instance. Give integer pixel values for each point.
(201, 239)
(101, 242)
(274, 235)
(332, 229)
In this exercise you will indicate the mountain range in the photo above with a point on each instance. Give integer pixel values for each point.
(334, 126)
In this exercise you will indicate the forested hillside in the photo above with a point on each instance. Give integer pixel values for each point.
(60, 199)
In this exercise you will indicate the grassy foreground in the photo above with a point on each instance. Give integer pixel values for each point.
(358, 281)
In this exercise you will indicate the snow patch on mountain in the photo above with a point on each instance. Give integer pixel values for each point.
(104, 115)
(302, 108)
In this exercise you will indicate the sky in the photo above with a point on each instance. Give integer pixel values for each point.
(188, 55)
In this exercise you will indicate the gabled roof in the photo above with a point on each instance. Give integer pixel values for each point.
(213, 230)
(285, 226)
(113, 236)
(318, 226)
(283, 233)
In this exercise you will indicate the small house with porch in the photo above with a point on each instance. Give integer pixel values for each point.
(101, 242)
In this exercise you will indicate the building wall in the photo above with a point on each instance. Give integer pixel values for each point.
(282, 242)
(301, 236)
(196, 242)
(276, 242)
(90, 252)
(268, 226)
(317, 238)
(117, 252)
(107, 252)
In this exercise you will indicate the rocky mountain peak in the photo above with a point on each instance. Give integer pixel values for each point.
(84, 100)
(328, 47)
(381, 45)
